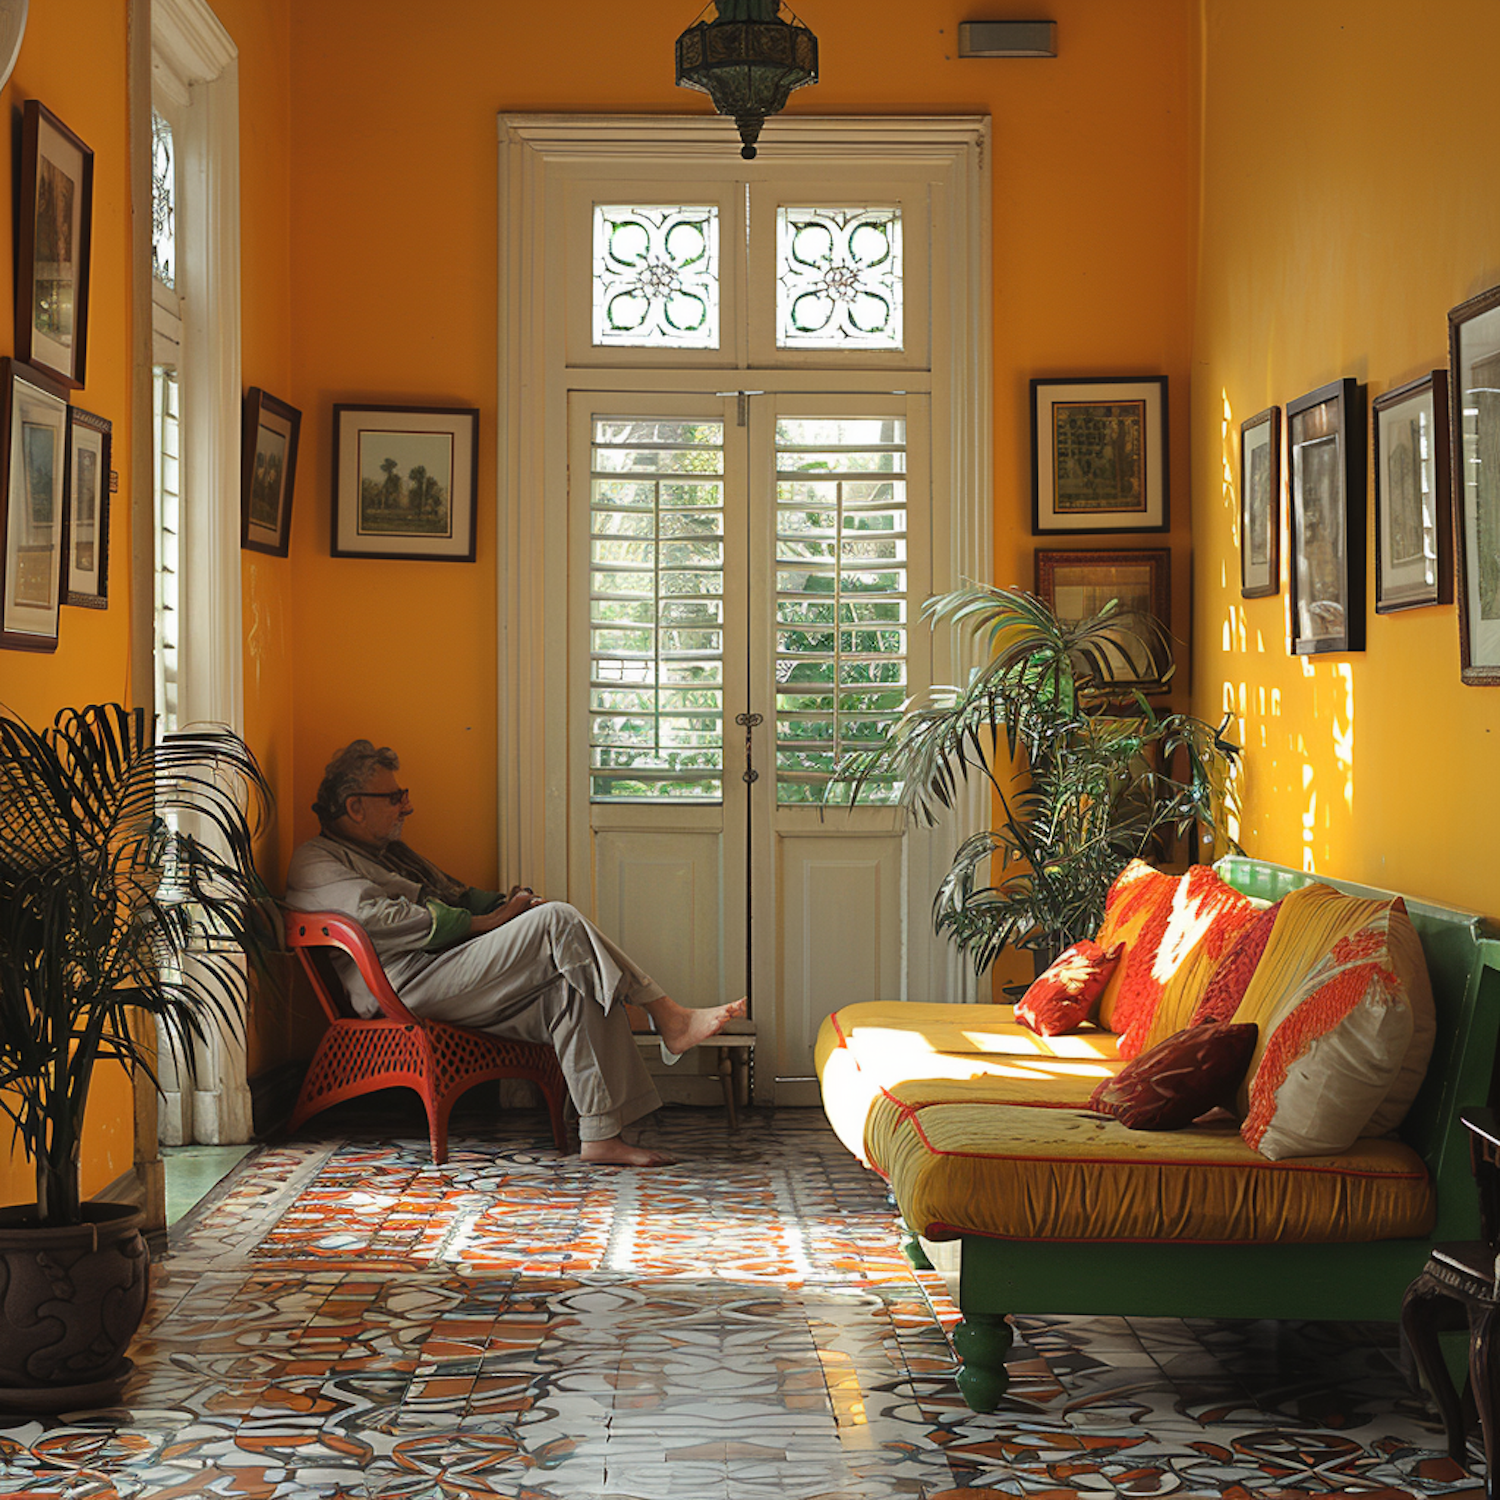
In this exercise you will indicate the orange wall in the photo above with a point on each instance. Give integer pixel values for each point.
(1346, 208)
(394, 241)
(74, 60)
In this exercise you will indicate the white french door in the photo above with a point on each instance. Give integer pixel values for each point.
(743, 570)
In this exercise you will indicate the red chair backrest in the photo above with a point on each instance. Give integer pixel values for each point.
(310, 934)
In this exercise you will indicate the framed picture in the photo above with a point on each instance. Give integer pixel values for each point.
(1474, 417)
(1079, 584)
(86, 527)
(33, 455)
(405, 482)
(1099, 454)
(1260, 504)
(1413, 508)
(268, 467)
(54, 229)
(1326, 452)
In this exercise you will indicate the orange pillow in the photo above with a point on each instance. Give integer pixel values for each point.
(1232, 978)
(1061, 997)
(1176, 930)
(1179, 1079)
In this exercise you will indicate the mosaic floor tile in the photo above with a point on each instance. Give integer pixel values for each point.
(342, 1320)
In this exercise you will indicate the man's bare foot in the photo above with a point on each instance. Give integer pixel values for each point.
(617, 1152)
(682, 1026)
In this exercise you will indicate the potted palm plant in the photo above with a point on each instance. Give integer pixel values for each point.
(127, 894)
(1085, 774)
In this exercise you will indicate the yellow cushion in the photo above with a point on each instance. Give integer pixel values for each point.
(1061, 1174)
(886, 1056)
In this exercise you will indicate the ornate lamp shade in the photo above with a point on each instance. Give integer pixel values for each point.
(747, 60)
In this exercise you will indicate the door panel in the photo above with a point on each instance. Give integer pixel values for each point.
(839, 908)
(754, 555)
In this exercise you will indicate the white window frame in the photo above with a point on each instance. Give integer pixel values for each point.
(181, 52)
(538, 154)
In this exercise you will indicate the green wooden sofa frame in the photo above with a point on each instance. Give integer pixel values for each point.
(1358, 1282)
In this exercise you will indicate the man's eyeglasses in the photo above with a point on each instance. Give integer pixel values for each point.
(395, 798)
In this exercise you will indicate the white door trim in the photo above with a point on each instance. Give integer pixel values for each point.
(536, 153)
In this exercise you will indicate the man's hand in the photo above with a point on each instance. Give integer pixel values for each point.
(521, 899)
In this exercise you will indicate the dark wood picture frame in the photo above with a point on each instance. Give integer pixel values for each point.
(1099, 454)
(1413, 502)
(1325, 441)
(54, 240)
(1077, 584)
(412, 446)
(268, 472)
(1474, 429)
(86, 531)
(1260, 504)
(33, 510)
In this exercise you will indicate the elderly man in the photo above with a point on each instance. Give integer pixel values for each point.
(518, 966)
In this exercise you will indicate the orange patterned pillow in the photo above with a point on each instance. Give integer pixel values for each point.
(1225, 990)
(1061, 997)
(1176, 930)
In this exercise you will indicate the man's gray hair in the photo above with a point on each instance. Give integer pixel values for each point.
(348, 773)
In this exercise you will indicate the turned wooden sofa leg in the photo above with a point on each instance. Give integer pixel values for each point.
(981, 1342)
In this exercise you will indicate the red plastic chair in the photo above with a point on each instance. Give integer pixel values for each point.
(359, 1054)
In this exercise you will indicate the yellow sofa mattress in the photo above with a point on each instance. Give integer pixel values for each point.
(1064, 1174)
(878, 1059)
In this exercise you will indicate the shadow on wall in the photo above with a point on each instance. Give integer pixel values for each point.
(1283, 764)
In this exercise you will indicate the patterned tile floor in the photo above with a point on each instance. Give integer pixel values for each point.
(342, 1319)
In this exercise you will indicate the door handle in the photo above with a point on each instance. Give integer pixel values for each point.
(748, 721)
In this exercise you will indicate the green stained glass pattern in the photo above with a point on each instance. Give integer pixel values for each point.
(838, 278)
(841, 596)
(656, 276)
(656, 610)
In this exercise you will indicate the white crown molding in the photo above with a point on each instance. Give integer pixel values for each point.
(188, 44)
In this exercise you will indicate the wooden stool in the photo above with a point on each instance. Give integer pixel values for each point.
(736, 1048)
(1460, 1279)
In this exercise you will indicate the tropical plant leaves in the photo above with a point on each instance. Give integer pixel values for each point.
(127, 882)
(1085, 778)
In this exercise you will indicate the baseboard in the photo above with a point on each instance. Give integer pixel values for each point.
(273, 1097)
(126, 1188)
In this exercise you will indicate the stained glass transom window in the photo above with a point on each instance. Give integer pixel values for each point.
(841, 598)
(656, 276)
(838, 275)
(656, 610)
(163, 203)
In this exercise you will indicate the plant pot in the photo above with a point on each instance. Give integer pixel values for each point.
(71, 1299)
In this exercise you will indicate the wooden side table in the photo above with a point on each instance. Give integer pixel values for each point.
(1459, 1279)
(736, 1049)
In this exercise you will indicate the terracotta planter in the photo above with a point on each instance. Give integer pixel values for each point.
(71, 1299)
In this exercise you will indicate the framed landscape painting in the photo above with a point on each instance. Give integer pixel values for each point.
(1474, 411)
(1326, 514)
(1413, 506)
(405, 482)
(54, 230)
(33, 446)
(86, 549)
(268, 458)
(1260, 504)
(1099, 454)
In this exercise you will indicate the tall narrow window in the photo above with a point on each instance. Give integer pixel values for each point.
(656, 609)
(166, 414)
(841, 596)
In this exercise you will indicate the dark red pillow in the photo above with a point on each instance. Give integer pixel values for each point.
(1061, 997)
(1178, 1079)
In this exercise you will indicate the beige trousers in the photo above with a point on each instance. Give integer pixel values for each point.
(547, 976)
